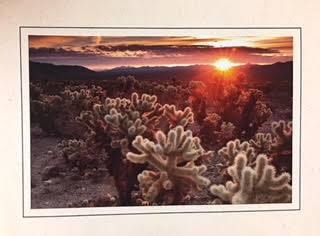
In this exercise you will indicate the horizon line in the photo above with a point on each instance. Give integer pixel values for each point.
(157, 66)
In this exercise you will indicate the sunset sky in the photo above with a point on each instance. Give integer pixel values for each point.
(100, 53)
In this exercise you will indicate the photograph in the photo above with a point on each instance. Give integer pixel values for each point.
(162, 119)
(154, 118)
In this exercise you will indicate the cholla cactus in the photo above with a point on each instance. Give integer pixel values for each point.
(172, 157)
(45, 111)
(212, 121)
(146, 105)
(280, 139)
(262, 143)
(246, 109)
(198, 100)
(177, 117)
(128, 83)
(171, 90)
(113, 125)
(254, 185)
(128, 125)
(283, 135)
(235, 147)
(122, 120)
(196, 86)
(98, 129)
(159, 89)
(35, 91)
(97, 91)
(76, 154)
(71, 147)
(281, 147)
(262, 112)
(227, 131)
(278, 145)
(210, 128)
(76, 102)
(130, 118)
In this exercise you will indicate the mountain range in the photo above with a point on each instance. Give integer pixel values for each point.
(272, 72)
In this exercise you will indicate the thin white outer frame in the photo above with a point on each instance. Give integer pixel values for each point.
(295, 32)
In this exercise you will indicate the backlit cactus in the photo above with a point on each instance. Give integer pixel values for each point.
(262, 142)
(177, 117)
(233, 148)
(283, 135)
(172, 157)
(258, 184)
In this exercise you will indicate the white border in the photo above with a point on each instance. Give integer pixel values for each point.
(208, 32)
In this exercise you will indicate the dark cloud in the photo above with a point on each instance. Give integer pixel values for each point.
(145, 50)
(59, 41)
(182, 48)
(43, 51)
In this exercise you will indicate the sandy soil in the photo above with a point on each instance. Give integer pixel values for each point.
(63, 188)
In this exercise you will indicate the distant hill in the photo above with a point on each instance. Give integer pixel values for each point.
(41, 71)
(276, 71)
(273, 72)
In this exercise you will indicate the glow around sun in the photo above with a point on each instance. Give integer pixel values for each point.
(223, 64)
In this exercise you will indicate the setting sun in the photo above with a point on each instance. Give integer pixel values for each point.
(223, 64)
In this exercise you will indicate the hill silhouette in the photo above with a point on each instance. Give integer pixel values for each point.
(272, 72)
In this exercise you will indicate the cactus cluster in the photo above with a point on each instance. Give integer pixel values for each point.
(177, 117)
(258, 184)
(235, 147)
(76, 154)
(114, 125)
(173, 94)
(279, 139)
(45, 111)
(128, 83)
(277, 144)
(244, 108)
(172, 158)
(129, 118)
(216, 132)
(262, 142)
(140, 133)
(283, 135)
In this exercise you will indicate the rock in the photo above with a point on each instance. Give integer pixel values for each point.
(48, 182)
(50, 172)
(75, 176)
(75, 170)
(45, 191)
